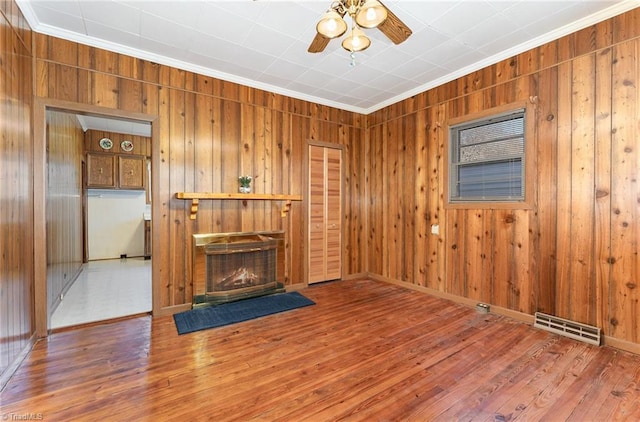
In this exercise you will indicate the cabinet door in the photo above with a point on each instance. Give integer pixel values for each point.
(131, 172)
(325, 210)
(101, 171)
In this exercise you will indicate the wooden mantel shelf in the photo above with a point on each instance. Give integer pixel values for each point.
(195, 198)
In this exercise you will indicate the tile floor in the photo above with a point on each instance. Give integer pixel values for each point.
(105, 290)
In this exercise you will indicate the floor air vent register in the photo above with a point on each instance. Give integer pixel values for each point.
(567, 328)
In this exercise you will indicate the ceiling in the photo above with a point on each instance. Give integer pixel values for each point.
(263, 43)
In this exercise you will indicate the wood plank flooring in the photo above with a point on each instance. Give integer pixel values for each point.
(367, 351)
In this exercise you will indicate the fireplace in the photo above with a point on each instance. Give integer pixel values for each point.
(233, 266)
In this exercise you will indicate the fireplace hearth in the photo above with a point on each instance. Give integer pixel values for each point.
(235, 266)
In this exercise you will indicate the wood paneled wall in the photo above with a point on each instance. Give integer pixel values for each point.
(65, 147)
(16, 187)
(210, 133)
(575, 254)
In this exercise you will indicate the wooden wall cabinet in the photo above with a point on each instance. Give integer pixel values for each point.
(103, 171)
(131, 172)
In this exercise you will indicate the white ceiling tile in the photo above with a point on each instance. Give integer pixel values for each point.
(302, 87)
(447, 51)
(362, 72)
(215, 47)
(426, 39)
(410, 68)
(165, 32)
(249, 10)
(112, 14)
(98, 30)
(462, 17)
(504, 43)
(313, 78)
(177, 53)
(287, 17)
(486, 31)
(253, 59)
(176, 11)
(285, 70)
(60, 19)
(69, 7)
(215, 21)
(340, 85)
(391, 58)
(423, 11)
(235, 69)
(463, 60)
(272, 79)
(524, 13)
(266, 41)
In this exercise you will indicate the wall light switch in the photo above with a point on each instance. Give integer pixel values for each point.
(435, 229)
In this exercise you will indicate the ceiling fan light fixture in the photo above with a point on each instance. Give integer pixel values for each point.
(331, 25)
(371, 14)
(356, 41)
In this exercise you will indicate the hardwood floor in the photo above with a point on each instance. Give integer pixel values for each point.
(366, 351)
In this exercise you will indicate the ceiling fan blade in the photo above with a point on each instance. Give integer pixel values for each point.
(318, 44)
(394, 28)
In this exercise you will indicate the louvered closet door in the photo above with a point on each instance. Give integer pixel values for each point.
(325, 210)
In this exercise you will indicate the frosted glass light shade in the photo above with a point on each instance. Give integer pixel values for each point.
(356, 41)
(371, 14)
(331, 25)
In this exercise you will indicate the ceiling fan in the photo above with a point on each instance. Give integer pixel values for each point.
(364, 14)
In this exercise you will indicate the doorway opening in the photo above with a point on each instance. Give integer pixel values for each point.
(79, 277)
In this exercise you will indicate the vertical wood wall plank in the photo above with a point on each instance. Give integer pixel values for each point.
(563, 186)
(421, 188)
(582, 193)
(547, 127)
(603, 171)
(181, 169)
(625, 193)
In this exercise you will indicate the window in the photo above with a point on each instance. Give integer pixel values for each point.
(487, 159)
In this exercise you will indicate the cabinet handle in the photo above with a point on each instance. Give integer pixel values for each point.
(100, 170)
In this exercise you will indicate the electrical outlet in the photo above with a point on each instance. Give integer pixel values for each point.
(435, 229)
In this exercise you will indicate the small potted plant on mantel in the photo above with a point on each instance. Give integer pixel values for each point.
(245, 184)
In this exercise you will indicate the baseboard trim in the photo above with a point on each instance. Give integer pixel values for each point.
(170, 310)
(295, 287)
(621, 344)
(101, 322)
(616, 343)
(6, 375)
(356, 276)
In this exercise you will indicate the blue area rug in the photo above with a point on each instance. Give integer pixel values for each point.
(243, 310)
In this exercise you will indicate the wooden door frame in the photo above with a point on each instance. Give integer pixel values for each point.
(307, 201)
(41, 105)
